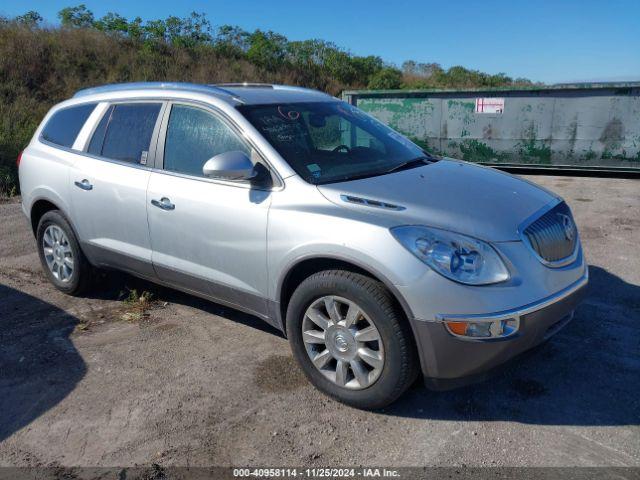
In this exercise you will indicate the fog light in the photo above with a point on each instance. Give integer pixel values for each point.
(484, 328)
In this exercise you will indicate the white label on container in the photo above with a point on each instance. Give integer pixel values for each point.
(489, 105)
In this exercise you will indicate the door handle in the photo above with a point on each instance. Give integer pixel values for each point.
(84, 184)
(164, 203)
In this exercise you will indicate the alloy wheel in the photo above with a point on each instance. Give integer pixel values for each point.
(342, 342)
(58, 253)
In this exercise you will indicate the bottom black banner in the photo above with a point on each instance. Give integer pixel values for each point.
(157, 472)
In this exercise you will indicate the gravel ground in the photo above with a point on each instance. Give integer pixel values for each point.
(193, 383)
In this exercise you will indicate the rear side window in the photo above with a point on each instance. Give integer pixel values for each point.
(64, 125)
(95, 145)
(194, 136)
(125, 131)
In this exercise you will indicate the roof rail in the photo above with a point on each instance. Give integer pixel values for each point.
(300, 89)
(272, 86)
(120, 87)
(244, 85)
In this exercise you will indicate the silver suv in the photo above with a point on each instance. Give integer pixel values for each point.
(376, 259)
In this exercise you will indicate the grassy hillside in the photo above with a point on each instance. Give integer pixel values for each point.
(42, 65)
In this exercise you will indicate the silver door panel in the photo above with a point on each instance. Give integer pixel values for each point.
(111, 217)
(109, 202)
(213, 241)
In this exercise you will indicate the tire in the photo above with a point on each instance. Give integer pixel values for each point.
(378, 386)
(72, 281)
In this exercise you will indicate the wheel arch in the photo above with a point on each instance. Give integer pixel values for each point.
(41, 200)
(39, 208)
(43, 205)
(306, 266)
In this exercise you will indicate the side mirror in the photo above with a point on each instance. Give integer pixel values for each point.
(235, 165)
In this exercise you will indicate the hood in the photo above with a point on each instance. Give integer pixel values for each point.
(453, 195)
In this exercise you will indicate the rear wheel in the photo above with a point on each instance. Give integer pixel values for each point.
(350, 338)
(63, 262)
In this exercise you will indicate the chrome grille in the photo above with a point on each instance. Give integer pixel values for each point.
(553, 236)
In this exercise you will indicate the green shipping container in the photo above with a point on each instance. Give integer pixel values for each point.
(583, 126)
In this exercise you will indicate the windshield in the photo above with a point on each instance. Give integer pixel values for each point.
(328, 142)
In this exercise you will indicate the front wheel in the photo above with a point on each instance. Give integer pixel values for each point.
(351, 339)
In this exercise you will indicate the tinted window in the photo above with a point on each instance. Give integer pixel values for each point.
(95, 145)
(63, 127)
(128, 132)
(193, 137)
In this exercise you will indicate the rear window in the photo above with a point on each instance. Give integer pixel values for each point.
(64, 125)
(125, 131)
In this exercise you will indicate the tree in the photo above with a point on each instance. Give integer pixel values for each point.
(306, 53)
(366, 67)
(173, 30)
(135, 30)
(197, 28)
(232, 41)
(30, 19)
(186, 32)
(267, 49)
(409, 67)
(313, 62)
(386, 79)
(78, 17)
(428, 70)
(155, 30)
(113, 23)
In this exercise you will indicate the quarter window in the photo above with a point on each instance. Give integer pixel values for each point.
(194, 136)
(64, 125)
(125, 131)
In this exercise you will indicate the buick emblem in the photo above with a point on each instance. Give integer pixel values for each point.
(568, 226)
(341, 343)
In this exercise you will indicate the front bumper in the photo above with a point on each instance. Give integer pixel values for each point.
(449, 361)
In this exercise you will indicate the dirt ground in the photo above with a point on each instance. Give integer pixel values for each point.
(97, 381)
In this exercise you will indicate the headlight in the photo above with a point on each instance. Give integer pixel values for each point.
(455, 256)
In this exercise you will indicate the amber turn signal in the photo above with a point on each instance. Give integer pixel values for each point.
(483, 329)
(459, 328)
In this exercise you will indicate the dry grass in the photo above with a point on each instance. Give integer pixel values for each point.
(41, 67)
(137, 306)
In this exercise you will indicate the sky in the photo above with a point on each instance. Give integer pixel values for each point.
(548, 41)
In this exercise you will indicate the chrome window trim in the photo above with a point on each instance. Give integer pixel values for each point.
(535, 216)
(95, 157)
(110, 160)
(227, 120)
(521, 311)
(239, 184)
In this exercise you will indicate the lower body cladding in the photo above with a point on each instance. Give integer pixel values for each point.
(450, 360)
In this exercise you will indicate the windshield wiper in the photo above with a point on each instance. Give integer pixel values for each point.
(414, 162)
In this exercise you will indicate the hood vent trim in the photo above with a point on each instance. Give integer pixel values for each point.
(366, 202)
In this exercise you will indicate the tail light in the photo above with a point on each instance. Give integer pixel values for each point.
(18, 159)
